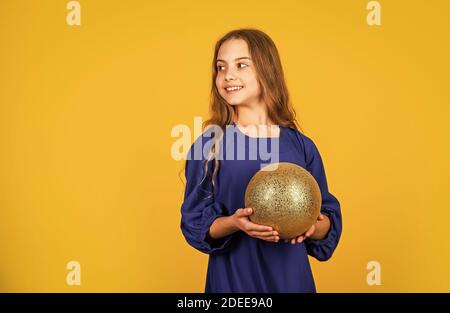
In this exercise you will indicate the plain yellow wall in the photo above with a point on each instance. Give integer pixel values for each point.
(87, 112)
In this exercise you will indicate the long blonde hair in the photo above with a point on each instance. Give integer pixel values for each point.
(272, 83)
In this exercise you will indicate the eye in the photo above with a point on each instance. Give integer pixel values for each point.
(220, 67)
(239, 65)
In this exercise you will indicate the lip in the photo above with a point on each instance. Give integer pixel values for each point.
(233, 91)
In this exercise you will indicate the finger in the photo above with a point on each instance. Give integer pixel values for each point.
(256, 227)
(293, 241)
(264, 233)
(310, 231)
(272, 238)
(244, 212)
(239, 212)
(321, 217)
(300, 239)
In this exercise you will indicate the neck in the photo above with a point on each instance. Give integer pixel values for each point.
(251, 115)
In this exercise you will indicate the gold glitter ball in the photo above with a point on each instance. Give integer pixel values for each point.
(284, 196)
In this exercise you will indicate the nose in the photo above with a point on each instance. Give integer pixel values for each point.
(229, 75)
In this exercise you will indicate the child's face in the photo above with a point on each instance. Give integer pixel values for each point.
(235, 69)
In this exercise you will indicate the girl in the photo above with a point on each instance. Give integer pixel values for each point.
(249, 93)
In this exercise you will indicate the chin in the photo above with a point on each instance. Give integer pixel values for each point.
(236, 100)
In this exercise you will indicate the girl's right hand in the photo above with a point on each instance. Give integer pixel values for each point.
(241, 220)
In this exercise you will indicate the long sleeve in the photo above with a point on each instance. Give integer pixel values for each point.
(199, 210)
(323, 249)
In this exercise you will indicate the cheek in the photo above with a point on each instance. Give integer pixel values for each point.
(252, 83)
(218, 82)
(250, 79)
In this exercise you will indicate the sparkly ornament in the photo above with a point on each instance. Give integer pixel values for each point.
(284, 196)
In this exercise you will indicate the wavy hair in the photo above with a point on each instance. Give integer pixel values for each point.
(274, 92)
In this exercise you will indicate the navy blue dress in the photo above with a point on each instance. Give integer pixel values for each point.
(238, 262)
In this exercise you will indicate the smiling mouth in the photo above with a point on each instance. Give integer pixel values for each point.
(233, 89)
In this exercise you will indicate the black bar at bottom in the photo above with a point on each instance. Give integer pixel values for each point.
(236, 302)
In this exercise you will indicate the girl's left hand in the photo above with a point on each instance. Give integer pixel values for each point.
(307, 233)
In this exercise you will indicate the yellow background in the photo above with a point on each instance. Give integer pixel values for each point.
(87, 112)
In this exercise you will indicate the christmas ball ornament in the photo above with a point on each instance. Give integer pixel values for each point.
(284, 196)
